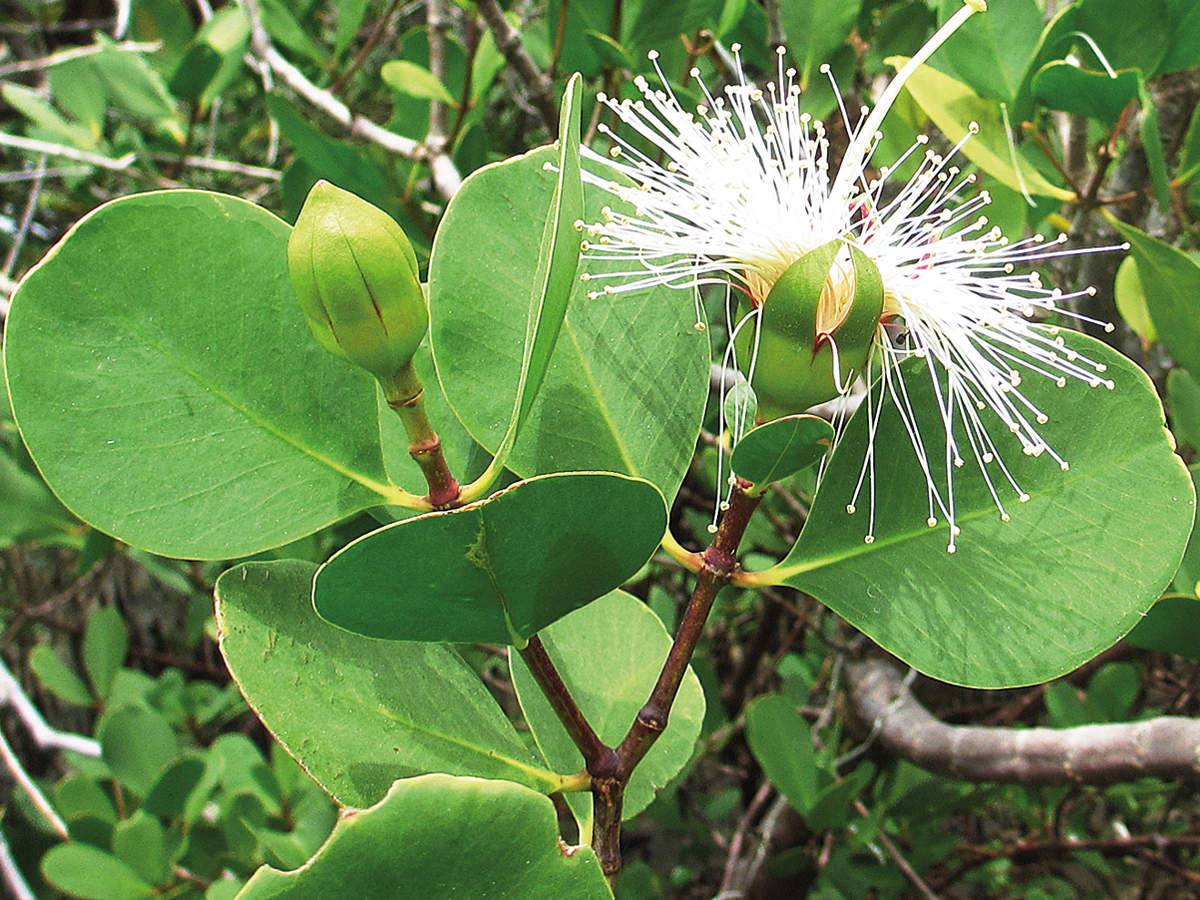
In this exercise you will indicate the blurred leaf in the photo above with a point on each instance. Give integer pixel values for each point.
(1171, 626)
(29, 511)
(78, 796)
(496, 571)
(1131, 301)
(439, 836)
(1112, 691)
(214, 60)
(283, 27)
(1152, 144)
(1064, 706)
(141, 844)
(138, 744)
(903, 27)
(1183, 403)
(57, 677)
(89, 873)
(815, 29)
(105, 643)
(359, 713)
(415, 81)
(169, 795)
(1184, 31)
(781, 740)
(609, 655)
(41, 114)
(1108, 23)
(163, 21)
(991, 51)
(350, 15)
(1171, 281)
(953, 107)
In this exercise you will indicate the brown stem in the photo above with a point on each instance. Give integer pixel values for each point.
(365, 51)
(720, 562)
(406, 395)
(534, 655)
(508, 42)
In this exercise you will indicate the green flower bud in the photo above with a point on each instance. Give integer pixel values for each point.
(355, 274)
(821, 313)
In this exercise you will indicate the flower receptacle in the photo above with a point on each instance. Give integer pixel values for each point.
(355, 275)
(816, 329)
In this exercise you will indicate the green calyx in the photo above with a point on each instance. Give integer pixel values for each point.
(355, 275)
(825, 306)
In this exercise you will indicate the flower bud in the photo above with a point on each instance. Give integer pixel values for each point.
(355, 274)
(821, 314)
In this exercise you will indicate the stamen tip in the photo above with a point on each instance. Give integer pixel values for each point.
(869, 539)
(712, 529)
(652, 55)
(850, 508)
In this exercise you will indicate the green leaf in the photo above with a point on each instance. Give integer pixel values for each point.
(208, 429)
(1131, 301)
(1152, 144)
(953, 107)
(30, 104)
(138, 744)
(1073, 89)
(104, 646)
(170, 794)
(781, 448)
(141, 844)
(992, 51)
(815, 29)
(1184, 29)
(558, 262)
(781, 741)
(350, 15)
(283, 27)
(497, 571)
(81, 870)
(57, 677)
(28, 510)
(441, 837)
(1171, 626)
(609, 655)
(1017, 603)
(1183, 404)
(415, 81)
(359, 713)
(1172, 284)
(1187, 579)
(1109, 24)
(626, 384)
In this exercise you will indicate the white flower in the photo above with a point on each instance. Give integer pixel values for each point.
(744, 188)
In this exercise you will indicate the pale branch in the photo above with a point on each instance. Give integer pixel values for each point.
(54, 59)
(51, 149)
(31, 204)
(775, 33)
(1162, 747)
(508, 42)
(11, 762)
(39, 729)
(446, 177)
(17, 886)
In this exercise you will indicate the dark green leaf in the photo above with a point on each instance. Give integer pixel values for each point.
(138, 744)
(814, 30)
(1109, 24)
(57, 677)
(1098, 95)
(1171, 626)
(495, 571)
(89, 873)
(781, 448)
(781, 741)
(141, 844)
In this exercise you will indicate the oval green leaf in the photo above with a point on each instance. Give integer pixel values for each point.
(359, 713)
(609, 655)
(81, 870)
(497, 571)
(1018, 603)
(626, 384)
(440, 837)
(781, 448)
(168, 388)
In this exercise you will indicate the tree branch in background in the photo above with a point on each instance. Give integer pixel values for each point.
(1163, 747)
(446, 178)
(508, 42)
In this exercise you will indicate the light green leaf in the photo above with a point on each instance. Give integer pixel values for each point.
(57, 677)
(626, 384)
(1131, 301)
(495, 571)
(28, 511)
(81, 870)
(1017, 603)
(1152, 144)
(558, 262)
(104, 646)
(1171, 281)
(442, 838)
(208, 429)
(415, 81)
(953, 107)
(139, 745)
(141, 844)
(359, 713)
(30, 104)
(609, 655)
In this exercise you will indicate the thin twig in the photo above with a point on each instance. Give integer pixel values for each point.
(13, 879)
(224, 165)
(42, 733)
(508, 42)
(31, 203)
(897, 857)
(55, 59)
(51, 149)
(13, 764)
(365, 51)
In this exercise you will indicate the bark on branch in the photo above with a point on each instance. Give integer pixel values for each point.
(508, 42)
(1163, 747)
